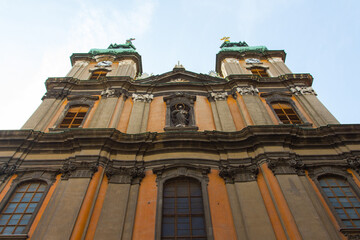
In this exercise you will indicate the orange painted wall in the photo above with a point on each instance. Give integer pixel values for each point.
(156, 122)
(125, 116)
(221, 216)
(235, 113)
(144, 227)
(203, 114)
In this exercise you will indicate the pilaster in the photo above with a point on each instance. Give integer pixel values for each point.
(222, 112)
(140, 113)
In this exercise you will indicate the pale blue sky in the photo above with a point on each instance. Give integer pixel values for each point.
(38, 37)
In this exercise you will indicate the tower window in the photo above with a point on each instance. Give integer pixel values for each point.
(183, 211)
(97, 74)
(19, 211)
(343, 199)
(74, 117)
(259, 72)
(286, 113)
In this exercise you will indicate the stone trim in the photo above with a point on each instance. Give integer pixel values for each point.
(199, 173)
(123, 175)
(241, 173)
(285, 166)
(302, 90)
(219, 96)
(110, 92)
(248, 90)
(137, 97)
(72, 169)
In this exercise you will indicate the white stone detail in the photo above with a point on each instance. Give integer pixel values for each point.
(179, 80)
(108, 92)
(219, 96)
(81, 64)
(247, 90)
(232, 60)
(296, 90)
(142, 97)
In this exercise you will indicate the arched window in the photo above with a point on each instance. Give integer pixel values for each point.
(20, 210)
(286, 113)
(259, 71)
(97, 74)
(74, 117)
(183, 210)
(343, 199)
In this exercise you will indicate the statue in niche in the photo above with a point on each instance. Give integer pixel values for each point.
(180, 115)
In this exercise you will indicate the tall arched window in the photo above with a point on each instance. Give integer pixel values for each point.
(74, 117)
(286, 113)
(19, 211)
(343, 199)
(183, 210)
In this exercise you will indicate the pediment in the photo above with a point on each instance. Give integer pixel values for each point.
(180, 78)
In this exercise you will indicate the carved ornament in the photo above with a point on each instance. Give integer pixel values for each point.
(142, 97)
(292, 165)
(109, 93)
(219, 96)
(241, 173)
(7, 169)
(247, 90)
(72, 169)
(296, 90)
(124, 175)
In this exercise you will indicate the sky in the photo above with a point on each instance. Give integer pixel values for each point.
(38, 37)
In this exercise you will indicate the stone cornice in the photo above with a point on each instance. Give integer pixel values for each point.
(60, 87)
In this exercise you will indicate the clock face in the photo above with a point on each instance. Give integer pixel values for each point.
(104, 64)
(252, 60)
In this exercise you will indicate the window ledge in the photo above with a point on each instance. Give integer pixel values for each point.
(351, 232)
(14, 236)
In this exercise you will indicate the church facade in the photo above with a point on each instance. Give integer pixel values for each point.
(244, 152)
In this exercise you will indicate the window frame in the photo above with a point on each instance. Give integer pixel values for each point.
(274, 97)
(74, 101)
(259, 67)
(14, 186)
(170, 172)
(337, 173)
(98, 70)
(291, 107)
(83, 120)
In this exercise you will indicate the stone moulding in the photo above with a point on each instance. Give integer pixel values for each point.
(72, 169)
(241, 173)
(125, 175)
(301, 90)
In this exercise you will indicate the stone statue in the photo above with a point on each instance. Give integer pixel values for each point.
(180, 116)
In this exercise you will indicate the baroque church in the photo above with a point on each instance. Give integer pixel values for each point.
(244, 152)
